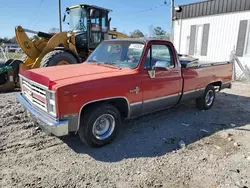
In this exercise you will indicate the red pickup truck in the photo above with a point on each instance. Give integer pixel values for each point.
(121, 79)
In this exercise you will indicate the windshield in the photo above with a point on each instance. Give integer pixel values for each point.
(122, 54)
(78, 19)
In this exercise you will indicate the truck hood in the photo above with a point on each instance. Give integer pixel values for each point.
(69, 74)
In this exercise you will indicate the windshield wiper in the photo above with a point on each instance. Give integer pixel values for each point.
(111, 63)
(106, 63)
(92, 61)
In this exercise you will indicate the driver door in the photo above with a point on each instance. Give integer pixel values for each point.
(162, 88)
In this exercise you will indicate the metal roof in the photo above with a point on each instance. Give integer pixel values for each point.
(211, 7)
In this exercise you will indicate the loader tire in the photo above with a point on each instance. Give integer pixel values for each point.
(15, 66)
(3, 78)
(58, 57)
(7, 63)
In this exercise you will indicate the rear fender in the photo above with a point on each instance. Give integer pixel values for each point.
(217, 83)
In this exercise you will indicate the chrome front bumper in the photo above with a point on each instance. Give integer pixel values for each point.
(58, 128)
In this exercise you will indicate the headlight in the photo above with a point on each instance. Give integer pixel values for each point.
(52, 103)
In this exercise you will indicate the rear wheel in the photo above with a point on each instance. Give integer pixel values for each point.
(206, 101)
(58, 57)
(99, 125)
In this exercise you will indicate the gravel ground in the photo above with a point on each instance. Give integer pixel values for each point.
(146, 153)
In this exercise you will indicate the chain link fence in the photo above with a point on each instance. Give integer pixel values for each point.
(240, 72)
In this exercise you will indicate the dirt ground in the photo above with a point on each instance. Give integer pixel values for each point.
(145, 154)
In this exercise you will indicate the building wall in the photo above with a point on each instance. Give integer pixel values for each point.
(223, 35)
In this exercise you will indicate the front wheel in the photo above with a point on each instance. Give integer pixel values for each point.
(58, 57)
(206, 101)
(99, 125)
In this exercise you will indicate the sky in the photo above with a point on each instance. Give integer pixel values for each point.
(42, 15)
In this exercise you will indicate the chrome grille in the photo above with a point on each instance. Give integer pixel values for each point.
(34, 94)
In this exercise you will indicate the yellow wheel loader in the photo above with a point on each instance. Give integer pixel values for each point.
(89, 26)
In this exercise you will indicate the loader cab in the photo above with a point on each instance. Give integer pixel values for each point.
(90, 25)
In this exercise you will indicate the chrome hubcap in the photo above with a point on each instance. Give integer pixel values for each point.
(209, 97)
(103, 126)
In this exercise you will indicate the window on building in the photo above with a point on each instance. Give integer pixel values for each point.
(198, 40)
(243, 40)
(247, 51)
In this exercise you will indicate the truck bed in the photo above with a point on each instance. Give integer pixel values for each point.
(197, 75)
(189, 61)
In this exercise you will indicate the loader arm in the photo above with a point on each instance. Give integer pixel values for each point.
(58, 40)
(31, 48)
(36, 49)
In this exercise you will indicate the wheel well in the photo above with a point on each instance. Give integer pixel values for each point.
(217, 85)
(120, 103)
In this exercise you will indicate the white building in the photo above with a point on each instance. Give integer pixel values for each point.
(211, 30)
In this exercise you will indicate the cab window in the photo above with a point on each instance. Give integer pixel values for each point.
(104, 23)
(158, 53)
(95, 21)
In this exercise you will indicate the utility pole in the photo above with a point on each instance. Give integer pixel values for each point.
(60, 16)
(171, 21)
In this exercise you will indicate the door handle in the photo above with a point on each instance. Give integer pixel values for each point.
(175, 71)
(136, 90)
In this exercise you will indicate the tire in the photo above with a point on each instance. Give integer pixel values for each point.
(105, 114)
(3, 78)
(15, 66)
(7, 63)
(54, 57)
(205, 102)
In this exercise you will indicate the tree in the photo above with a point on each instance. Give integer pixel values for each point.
(12, 40)
(136, 34)
(161, 34)
(159, 31)
(7, 40)
(151, 31)
(54, 30)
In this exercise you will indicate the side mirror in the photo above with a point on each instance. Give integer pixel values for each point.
(92, 12)
(164, 65)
